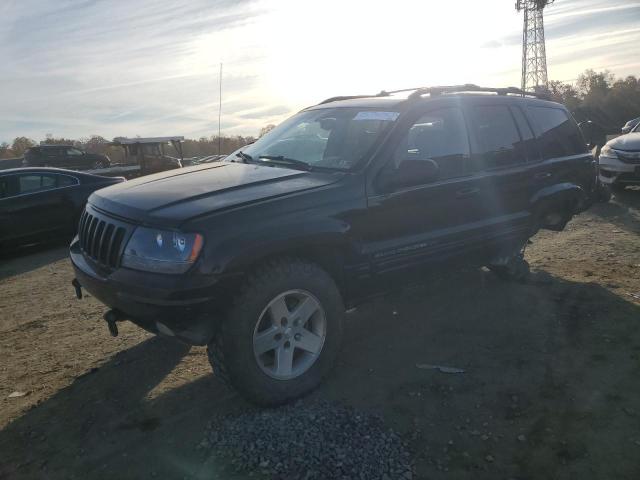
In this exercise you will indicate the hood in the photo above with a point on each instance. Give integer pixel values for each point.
(629, 142)
(173, 197)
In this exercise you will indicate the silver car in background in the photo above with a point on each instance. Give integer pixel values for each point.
(630, 125)
(620, 160)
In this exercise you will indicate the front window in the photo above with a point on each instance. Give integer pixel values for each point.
(336, 138)
(74, 152)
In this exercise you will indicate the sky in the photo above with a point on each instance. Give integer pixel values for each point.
(75, 68)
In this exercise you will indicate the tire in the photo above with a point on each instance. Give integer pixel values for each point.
(604, 193)
(251, 325)
(515, 270)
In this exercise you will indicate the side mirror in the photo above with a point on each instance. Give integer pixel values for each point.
(409, 173)
(587, 133)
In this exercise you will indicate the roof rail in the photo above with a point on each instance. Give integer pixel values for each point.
(469, 87)
(351, 97)
(440, 90)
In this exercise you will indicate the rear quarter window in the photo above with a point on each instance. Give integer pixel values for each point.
(558, 135)
(66, 181)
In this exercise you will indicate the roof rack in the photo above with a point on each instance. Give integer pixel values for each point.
(469, 87)
(418, 92)
(347, 97)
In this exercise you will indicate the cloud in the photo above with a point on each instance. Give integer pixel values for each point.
(150, 67)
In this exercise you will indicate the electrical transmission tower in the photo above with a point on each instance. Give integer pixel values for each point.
(534, 56)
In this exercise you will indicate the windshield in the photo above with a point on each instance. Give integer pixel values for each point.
(336, 138)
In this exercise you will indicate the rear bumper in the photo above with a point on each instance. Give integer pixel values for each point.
(182, 306)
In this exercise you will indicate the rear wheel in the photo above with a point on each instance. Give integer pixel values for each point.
(282, 333)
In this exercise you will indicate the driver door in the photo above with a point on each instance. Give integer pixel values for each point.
(427, 220)
(74, 158)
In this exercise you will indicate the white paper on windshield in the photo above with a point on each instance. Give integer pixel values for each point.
(384, 116)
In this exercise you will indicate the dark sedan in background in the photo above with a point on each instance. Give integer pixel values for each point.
(37, 204)
(64, 156)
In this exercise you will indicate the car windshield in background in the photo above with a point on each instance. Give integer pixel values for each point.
(335, 138)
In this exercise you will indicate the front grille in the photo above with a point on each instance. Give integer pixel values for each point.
(633, 158)
(101, 239)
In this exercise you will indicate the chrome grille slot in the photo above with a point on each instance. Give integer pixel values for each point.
(101, 238)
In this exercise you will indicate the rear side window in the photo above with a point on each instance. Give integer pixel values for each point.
(35, 183)
(497, 137)
(440, 136)
(558, 136)
(528, 139)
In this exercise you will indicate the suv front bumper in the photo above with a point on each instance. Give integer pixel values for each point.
(180, 306)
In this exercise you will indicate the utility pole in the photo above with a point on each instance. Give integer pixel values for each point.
(220, 111)
(534, 55)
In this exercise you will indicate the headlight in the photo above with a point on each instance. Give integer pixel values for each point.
(607, 151)
(161, 251)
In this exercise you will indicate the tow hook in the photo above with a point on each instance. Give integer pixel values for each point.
(78, 287)
(111, 317)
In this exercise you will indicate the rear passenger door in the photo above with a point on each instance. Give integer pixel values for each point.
(501, 147)
(39, 204)
(564, 154)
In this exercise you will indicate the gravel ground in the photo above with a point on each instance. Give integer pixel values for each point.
(310, 440)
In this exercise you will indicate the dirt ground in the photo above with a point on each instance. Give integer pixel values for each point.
(551, 387)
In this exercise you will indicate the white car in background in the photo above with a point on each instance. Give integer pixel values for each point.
(620, 160)
(630, 125)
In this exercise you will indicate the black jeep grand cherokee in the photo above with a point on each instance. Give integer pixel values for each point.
(258, 256)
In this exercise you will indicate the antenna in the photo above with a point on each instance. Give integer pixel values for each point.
(220, 110)
(534, 56)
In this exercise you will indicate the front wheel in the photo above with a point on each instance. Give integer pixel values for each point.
(516, 268)
(282, 333)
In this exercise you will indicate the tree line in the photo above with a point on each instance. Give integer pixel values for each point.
(201, 147)
(600, 97)
(596, 96)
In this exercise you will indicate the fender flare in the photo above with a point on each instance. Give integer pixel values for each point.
(566, 199)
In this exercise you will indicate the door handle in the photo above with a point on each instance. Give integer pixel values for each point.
(467, 192)
(542, 175)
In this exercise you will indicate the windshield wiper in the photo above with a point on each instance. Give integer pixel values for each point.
(244, 156)
(286, 161)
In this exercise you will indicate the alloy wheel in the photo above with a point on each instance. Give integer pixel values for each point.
(289, 335)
